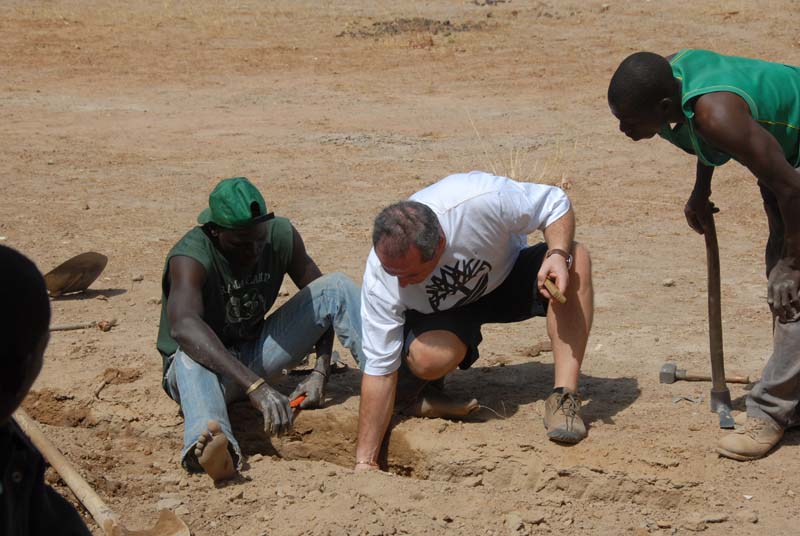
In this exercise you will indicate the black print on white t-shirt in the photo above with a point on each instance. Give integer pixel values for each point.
(467, 278)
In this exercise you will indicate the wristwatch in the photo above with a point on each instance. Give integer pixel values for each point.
(567, 256)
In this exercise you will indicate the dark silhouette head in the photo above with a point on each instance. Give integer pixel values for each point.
(24, 327)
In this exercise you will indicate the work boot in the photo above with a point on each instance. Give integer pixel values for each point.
(433, 403)
(408, 389)
(753, 441)
(419, 398)
(740, 419)
(562, 418)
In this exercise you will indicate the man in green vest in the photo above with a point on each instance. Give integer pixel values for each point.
(721, 107)
(217, 342)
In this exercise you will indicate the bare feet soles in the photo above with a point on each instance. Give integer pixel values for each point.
(212, 453)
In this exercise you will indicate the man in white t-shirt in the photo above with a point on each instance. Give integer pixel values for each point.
(454, 257)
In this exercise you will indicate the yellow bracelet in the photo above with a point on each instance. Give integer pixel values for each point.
(256, 384)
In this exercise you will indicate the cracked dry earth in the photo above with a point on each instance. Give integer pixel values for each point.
(118, 119)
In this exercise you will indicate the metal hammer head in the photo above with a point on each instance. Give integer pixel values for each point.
(668, 373)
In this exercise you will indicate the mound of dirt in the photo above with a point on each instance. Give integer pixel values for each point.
(56, 408)
(115, 376)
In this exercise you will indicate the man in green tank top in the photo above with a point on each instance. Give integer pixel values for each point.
(721, 107)
(215, 338)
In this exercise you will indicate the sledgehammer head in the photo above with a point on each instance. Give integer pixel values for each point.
(668, 373)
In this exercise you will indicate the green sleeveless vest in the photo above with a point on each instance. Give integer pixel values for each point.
(233, 308)
(771, 90)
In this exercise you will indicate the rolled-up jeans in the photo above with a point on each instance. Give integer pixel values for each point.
(287, 336)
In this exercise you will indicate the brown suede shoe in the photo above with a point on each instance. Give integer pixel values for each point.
(740, 419)
(433, 403)
(562, 418)
(753, 441)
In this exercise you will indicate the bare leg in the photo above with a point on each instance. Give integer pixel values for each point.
(568, 324)
(434, 354)
(212, 453)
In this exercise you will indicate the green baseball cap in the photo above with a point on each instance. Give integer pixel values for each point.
(234, 204)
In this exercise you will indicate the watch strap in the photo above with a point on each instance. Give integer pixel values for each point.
(567, 256)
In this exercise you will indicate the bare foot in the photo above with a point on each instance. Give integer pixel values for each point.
(212, 453)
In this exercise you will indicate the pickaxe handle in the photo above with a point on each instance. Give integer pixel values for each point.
(101, 513)
(720, 398)
(168, 524)
(69, 327)
(714, 306)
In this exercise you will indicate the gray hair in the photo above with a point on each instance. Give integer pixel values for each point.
(402, 224)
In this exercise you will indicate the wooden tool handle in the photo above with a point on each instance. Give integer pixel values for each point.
(689, 377)
(69, 327)
(735, 378)
(553, 290)
(101, 513)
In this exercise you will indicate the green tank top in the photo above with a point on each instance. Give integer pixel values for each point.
(771, 90)
(233, 308)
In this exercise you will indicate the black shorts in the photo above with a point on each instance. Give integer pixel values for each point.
(516, 299)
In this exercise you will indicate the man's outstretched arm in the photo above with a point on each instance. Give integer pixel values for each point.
(375, 411)
(725, 121)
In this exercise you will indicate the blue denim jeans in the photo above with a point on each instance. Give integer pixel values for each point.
(289, 333)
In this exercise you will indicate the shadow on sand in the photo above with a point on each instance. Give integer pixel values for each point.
(90, 294)
(501, 390)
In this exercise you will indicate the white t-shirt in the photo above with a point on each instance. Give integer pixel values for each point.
(485, 220)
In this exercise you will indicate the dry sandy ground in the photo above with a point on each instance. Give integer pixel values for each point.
(118, 118)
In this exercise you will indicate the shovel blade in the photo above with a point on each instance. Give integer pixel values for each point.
(168, 524)
(75, 274)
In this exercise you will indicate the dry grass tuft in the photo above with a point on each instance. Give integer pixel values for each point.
(520, 164)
